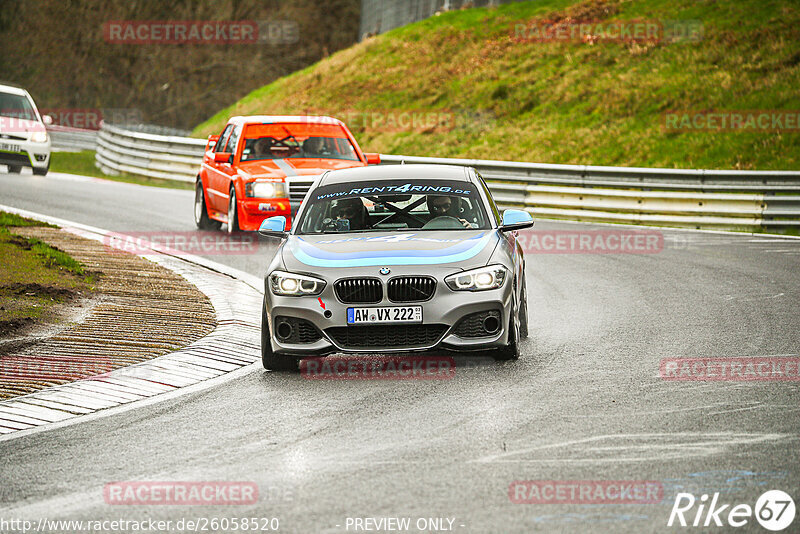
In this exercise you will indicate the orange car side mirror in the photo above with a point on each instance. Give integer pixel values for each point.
(373, 159)
(222, 157)
(212, 140)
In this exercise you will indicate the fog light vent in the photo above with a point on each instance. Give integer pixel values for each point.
(480, 324)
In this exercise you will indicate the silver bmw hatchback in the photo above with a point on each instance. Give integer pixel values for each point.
(396, 258)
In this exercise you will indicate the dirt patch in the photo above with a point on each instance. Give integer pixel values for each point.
(40, 290)
(593, 11)
(11, 326)
(24, 244)
(20, 333)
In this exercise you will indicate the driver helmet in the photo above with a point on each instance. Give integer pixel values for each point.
(443, 205)
(351, 209)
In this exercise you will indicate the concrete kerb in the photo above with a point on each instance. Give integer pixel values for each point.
(236, 297)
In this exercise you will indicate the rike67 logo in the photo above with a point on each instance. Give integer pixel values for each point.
(774, 511)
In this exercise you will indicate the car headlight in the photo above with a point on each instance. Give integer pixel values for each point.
(265, 190)
(490, 277)
(39, 137)
(294, 285)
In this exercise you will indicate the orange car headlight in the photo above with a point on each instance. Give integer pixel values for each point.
(265, 190)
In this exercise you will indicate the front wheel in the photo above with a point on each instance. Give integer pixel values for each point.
(511, 350)
(233, 213)
(14, 169)
(201, 218)
(41, 172)
(270, 360)
(523, 315)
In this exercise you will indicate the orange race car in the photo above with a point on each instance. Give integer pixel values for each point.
(262, 166)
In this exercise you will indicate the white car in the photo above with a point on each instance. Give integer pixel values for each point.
(24, 141)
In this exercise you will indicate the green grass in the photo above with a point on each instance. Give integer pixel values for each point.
(52, 257)
(83, 163)
(34, 276)
(573, 103)
(12, 219)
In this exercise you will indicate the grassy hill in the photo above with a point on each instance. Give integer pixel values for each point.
(560, 102)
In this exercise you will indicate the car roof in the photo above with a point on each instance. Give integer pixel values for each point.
(13, 90)
(397, 172)
(278, 119)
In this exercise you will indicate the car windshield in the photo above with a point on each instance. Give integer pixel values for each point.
(297, 140)
(17, 106)
(393, 206)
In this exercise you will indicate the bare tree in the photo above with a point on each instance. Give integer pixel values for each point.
(57, 50)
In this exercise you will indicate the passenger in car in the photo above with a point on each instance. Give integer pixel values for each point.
(262, 147)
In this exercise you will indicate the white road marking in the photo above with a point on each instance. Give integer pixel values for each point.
(617, 448)
(748, 299)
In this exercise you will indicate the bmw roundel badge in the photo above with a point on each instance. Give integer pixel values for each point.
(384, 271)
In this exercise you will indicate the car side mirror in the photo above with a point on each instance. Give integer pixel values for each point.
(47, 120)
(373, 159)
(212, 140)
(516, 220)
(222, 157)
(273, 227)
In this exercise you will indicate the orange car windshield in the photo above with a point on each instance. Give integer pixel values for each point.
(296, 140)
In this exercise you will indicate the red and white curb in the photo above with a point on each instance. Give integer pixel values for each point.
(223, 354)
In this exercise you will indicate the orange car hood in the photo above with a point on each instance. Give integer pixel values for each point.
(282, 168)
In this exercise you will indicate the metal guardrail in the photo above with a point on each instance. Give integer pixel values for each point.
(151, 129)
(744, 200)
(65, 139)
(150, 155)
(691, 198)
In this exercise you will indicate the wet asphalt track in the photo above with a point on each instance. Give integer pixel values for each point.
(585, 402)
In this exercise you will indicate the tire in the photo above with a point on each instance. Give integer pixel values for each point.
(233, 213)
(510, 351)
(523, 316)
(270, 360)
(201, 218)
(41, 172)
(14, 169)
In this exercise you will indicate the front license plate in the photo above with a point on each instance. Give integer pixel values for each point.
(395, 314)
(5, 147)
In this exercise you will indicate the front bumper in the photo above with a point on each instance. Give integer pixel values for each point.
(253, 211)
(441, 315)
(25, 153)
